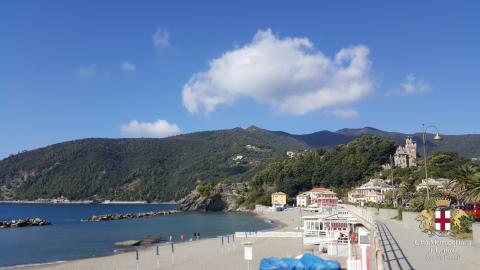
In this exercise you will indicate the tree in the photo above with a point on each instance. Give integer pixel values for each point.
(466, 185)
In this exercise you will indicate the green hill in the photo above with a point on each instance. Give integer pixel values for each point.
(167, 169)
(342, 166)
(139, 169)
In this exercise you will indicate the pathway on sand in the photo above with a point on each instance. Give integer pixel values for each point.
(406, 248)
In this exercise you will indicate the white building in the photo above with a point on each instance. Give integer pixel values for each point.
(439, 183)
(330, 224)
(303, 200)
(238, 158)
(290, 154)
(372, 191)
(316, 197)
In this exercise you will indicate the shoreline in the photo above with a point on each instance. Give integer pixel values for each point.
(84, 202)
(277, 225)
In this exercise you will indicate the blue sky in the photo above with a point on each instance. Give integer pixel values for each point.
(122, 69)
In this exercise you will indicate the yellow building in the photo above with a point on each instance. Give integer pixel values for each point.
(279, 199)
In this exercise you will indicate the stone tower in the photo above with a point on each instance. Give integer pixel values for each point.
(406, 156)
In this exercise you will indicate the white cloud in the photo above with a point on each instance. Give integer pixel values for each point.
(412, 85)
(127, 66)
(161, 38)
(88, 71)
(158, 129)
(287, 73)
(345, 113)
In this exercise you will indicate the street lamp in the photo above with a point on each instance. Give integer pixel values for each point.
(436, 138)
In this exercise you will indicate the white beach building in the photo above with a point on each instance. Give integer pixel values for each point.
(330, 224)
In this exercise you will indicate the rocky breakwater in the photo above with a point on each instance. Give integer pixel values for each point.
(29, 222)
(108, 217)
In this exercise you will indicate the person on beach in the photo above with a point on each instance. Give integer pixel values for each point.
(194, 235)
(198, 235)
(170, 238)
(353, 237)
(181, 237)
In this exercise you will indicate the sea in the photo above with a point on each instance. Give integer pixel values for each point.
(69, 238)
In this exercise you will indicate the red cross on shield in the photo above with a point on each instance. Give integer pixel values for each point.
(442, 220)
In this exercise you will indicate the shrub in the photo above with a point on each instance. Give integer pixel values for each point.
(205, 189)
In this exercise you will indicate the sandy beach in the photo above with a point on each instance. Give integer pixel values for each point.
(202, 254)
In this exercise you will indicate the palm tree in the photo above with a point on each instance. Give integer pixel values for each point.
(466, 186)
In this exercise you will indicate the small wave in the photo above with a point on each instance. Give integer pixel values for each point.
(30, 265)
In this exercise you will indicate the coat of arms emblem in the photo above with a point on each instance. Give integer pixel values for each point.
(441, 220)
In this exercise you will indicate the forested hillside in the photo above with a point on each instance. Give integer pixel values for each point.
(342, 166)
(140, 169)
(167, 169)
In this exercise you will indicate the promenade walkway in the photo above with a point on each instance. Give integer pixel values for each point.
(409, 248)
(394, 256)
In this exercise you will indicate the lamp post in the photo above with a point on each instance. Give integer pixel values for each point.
(393, 185)
(437, 138)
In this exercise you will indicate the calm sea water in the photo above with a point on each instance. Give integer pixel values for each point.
(71, 239)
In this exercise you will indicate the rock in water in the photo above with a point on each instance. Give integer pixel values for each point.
(128, 243)
(149, 240)
(29, 222)
(108, 217)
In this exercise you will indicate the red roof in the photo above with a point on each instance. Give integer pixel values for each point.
(321, 190)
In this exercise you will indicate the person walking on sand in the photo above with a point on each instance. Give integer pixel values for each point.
(198, 235)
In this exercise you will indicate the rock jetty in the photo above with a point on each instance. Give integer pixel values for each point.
(222, 198)
(108, 217)
(29, 222)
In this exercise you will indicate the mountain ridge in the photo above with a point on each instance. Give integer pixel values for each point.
(169, 168)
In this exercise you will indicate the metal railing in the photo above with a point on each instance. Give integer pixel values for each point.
(368, 220)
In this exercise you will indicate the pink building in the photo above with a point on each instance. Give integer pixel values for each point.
(324, 197)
